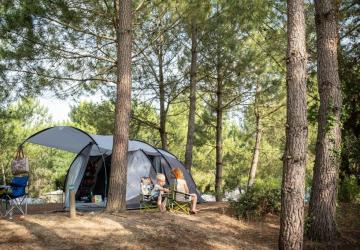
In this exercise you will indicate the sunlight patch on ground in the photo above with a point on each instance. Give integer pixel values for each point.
(213, 227)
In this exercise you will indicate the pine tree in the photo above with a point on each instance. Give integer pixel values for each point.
(293, 182)
(192, 97)
(322, 207)
(197, 12)
(118, 175)
(255, 158)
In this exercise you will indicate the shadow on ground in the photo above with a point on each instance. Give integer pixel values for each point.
(212, 228)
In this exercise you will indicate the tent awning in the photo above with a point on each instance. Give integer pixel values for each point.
(65, 138)
(72, 139)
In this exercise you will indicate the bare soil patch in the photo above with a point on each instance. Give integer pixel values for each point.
(212, 228)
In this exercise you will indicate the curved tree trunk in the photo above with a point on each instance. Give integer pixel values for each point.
(192, 109)
(118, 175)
(255, 158)
(293, 182)
(323, 196)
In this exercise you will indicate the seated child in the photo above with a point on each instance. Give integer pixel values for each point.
(158, 191)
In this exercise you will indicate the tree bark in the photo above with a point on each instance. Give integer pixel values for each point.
(192, 108)
(118, 175)
(255, 158)
(3, 174)
(293, 182)
(163, 113)
(322, 207)
(219, 120)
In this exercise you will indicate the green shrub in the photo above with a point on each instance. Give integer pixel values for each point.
(349, 190)
(259, 200)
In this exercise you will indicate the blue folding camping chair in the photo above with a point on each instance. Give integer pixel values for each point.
(15, 196)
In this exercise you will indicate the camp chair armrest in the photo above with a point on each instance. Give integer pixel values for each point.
(178, 192)
(186, 195)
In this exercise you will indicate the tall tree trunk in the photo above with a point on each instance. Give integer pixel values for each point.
(327, 160)
(192, 109)
(118, 175)
(3, 174)
(293, 181)
(256, 153)
(163, 113)
(219, 120)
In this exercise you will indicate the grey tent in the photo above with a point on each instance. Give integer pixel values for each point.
(89, 171)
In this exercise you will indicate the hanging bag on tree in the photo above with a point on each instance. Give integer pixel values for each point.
(20, 164)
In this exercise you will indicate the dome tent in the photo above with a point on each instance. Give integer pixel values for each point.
(89, 171)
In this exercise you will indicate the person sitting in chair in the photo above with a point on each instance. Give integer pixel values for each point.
(181, 186)
(158, 191)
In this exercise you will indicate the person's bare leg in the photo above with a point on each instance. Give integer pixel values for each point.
(193, 203)
(159, 204)
(163, 205)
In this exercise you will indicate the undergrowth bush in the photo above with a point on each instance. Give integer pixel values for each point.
(259, 200)
(349, 190)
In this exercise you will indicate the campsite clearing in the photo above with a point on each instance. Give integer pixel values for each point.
(212, 228)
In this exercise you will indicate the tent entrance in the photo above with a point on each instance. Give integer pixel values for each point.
(91, 184)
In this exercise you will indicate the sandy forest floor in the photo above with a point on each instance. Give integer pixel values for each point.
(212, 228)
